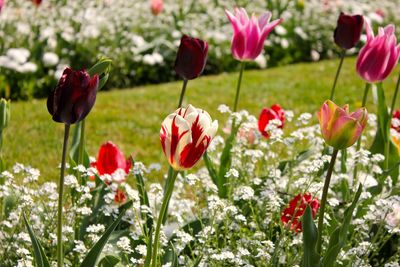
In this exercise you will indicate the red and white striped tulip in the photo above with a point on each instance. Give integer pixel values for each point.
(185, 136)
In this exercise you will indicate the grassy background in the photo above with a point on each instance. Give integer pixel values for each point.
(132, 118)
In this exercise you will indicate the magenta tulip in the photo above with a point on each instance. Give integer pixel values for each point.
(348, 30)
(339, 128)
(249, 33)
(379, 56)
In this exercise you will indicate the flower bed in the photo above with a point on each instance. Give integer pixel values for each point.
(54, 34)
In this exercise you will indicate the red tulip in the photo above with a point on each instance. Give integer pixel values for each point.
(396, 115)
(74, 96)
(292, 214)
(191, 58)
(348, 30)
(110, 159)
(268, 114)
(120, 196)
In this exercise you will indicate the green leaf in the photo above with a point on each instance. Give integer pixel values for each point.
(210, 167)
(94, 253)
(339, 237)
(225, 162)
(310, 235)
(74, 151)
(103, 81)
(38, 251)
(149, 226)
(100, 67)
(109, 261)
(382, 136)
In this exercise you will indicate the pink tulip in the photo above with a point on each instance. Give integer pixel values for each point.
(339, 128)
(380, 54)
(249, 33)
(156, 6)
(185, 136)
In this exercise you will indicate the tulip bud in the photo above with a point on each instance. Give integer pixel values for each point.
(295, 211)
(185, 136)
(156, 7)
(74, 96)
(269, 114)
(5, 113)
(348, 30)
(249, 33)
(191, 58)
(379, 55)
(339, 128)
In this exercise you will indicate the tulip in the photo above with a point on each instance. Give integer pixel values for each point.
(74, 96)
(348, 30)
(379, 56)
(191, 58)
(249, 33)
(120, 196)
(185, 136)
(37, 2)
(156, 7)
(339, 128)
(2, 4)
(395, 126)
(292, 214)
(111, 159)
(269, 114)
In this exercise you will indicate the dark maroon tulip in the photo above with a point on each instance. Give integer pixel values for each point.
(348, 30)
(191, 58)
(74, 96)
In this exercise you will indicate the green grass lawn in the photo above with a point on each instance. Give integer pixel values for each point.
(132, 118)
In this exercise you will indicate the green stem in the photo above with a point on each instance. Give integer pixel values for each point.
(167, 196)
(60, 256)
(81, 148)
(364, 102)
(185, 82)
(242, 65)
(337, 74)
(323, 200)
(392, 106)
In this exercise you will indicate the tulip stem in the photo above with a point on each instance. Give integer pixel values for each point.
(185, 82)
(323, 200)
(337, 73)
(364, 102)
(387, 144)
(242, 65)
(163, 211)
(60, 256)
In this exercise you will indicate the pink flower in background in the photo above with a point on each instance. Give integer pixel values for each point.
(185, 136)
(2, 3)
(379, 56)
(249, 33)
(156, 6)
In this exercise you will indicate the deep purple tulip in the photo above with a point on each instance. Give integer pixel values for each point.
(191, 58)
(348, 30)
(74, 96)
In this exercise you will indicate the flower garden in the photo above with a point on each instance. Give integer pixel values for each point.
(272, 188)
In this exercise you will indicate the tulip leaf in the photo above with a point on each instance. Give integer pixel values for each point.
(102, 81)
(109, 261)
(74, 150)
(91, 258)
(100, 67)
(144, 201)
(38, 251)
(383, 136)
(210, 167)
(225, 162)
(310, 235)
(339, 236)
